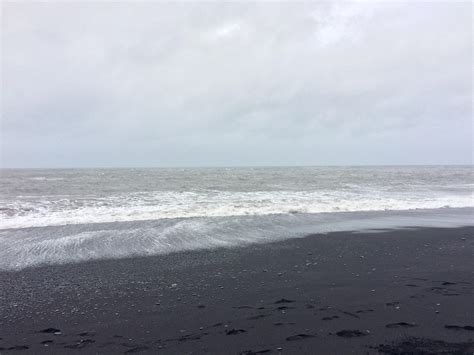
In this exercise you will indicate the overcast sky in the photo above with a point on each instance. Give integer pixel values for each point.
(212, 84)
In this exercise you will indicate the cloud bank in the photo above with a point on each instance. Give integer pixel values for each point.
(222, 84)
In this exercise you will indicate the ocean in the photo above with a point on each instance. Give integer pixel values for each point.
(50, 216)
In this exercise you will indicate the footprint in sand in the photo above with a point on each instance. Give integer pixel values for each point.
(284, 300)
(282, 308)
(351, 333)
(365, 311)
(299, 337)
(401, 325)
(16, 347)
(460, 327)
(281, 323)
(50, 331)
(235, 331)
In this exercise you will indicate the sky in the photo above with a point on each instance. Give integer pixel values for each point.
(149, 84)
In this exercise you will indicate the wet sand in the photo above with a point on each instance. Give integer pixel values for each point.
(403, 291)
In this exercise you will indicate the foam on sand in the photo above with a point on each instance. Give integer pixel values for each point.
(20, 248)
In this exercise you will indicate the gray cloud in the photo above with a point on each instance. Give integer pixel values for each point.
(150, 84)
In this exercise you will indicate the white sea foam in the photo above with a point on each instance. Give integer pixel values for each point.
(44, 178)
(21, 248)
(62, 210)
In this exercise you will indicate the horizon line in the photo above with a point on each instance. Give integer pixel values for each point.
(228, 166)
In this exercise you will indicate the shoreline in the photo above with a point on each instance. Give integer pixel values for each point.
(36, 246)
(342, 292)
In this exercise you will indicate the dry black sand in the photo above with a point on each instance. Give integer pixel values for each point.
(409, 291)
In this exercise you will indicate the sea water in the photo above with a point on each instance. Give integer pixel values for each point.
(57, 216)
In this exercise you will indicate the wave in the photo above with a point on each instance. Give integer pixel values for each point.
(44, 178)
(50, 211)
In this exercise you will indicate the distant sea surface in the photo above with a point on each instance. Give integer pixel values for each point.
(77, 210)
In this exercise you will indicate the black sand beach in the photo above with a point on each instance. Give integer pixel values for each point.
(402, 291)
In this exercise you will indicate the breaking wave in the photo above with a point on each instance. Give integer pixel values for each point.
(63, 210)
